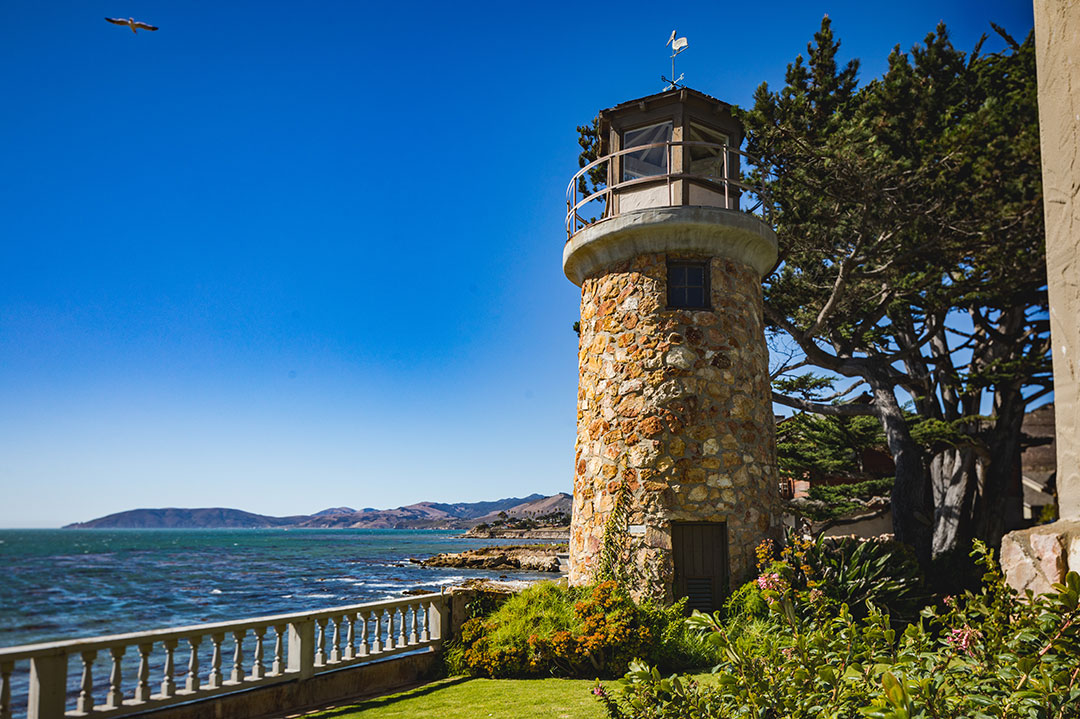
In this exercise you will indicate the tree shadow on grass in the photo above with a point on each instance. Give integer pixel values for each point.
(387, 700)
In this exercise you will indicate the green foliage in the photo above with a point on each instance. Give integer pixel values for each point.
(551, 629)
(745, 603)
(843, 499)
(870, 574)
(990, 654)
(909, 217)
(611, 565)
(841, 493)
(819, 445)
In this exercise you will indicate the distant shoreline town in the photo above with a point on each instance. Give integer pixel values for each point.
(514, 515)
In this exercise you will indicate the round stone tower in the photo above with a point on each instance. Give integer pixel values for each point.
(675, 461)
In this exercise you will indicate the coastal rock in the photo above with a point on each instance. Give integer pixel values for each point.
(525, 558)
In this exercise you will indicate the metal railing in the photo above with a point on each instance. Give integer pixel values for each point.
(302, 645)
(725, 182)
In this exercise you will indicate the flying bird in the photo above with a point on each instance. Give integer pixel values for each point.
(131, 23)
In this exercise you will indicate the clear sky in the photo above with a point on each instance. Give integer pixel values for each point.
(285, 256)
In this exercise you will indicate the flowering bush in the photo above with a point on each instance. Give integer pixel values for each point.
(550, 629)
(991, 654)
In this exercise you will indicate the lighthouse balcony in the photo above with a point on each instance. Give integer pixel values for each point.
(661, 174)
(682, 197)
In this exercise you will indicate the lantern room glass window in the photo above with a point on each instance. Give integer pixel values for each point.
(709, 161)
(650, 162)
(688, 285)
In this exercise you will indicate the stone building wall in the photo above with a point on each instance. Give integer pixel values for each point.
(677, 404)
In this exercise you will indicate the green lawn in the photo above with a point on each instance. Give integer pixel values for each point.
(481, 698)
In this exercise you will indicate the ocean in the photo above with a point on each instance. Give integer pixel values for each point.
(66, 583)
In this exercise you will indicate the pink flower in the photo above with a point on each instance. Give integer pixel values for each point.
(788, 652)
(599, 690)
(770, 582)
(963, 639)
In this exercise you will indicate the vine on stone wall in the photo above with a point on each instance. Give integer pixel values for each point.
(611, 565)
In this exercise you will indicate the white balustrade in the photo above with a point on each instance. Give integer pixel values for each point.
(359, 633)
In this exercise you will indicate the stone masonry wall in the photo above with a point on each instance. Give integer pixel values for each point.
(676, 403)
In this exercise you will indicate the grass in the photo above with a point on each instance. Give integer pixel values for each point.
(481, 698)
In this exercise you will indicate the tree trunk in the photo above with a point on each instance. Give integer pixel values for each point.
(911, 520)
(952, 478)
(997, 501)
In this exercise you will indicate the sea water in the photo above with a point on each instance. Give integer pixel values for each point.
(58, 584)
(66, 583)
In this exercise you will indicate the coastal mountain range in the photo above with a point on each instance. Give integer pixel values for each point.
(423, 515)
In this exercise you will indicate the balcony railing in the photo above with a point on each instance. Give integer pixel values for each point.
(723, 179)
(234, 655)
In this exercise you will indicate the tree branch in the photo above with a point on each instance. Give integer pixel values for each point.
(833, 410)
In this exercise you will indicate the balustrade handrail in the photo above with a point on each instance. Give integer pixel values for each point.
(574, 222)
(70, 646)
(303, 643)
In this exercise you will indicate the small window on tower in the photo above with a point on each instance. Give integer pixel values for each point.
(688, 285)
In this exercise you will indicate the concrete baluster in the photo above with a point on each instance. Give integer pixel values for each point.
(168, 681)
(215, 661)
(365, 644)
(85, 704)
(5, 689)
(426, 606)
(301, 644)
(48, 687)
(391, 637)
(415, 633)
(378, 646)
(192, 682)
(279, 651)
(320, 645)
(142, 682)
(237, 674)
(404, 641)
(115, 698)
(350, 637)
(257, 669)
(335, 641)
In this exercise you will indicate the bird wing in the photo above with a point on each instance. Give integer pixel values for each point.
(116, 20)
(144, 26)
(671, 39)
(679, 44)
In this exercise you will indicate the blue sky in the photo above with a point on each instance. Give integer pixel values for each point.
(282, 256)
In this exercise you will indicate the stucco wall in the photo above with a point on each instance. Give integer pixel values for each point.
(1057, 38)
(1038, 557)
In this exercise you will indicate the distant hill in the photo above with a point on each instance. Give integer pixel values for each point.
(423, 515)
(174, 518)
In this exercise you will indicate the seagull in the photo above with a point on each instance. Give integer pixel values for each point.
(131, 23)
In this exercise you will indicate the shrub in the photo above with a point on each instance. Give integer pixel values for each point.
(550, 629)
(861, 573)
(990, 654)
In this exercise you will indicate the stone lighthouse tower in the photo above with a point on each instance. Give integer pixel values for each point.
(675, 460)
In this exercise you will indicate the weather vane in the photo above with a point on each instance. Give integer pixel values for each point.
(677, 46)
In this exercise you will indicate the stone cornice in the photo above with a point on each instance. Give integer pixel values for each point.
(710, 231)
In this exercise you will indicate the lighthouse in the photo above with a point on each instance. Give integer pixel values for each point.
(675, 478)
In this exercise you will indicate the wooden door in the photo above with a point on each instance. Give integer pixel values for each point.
(700, 553)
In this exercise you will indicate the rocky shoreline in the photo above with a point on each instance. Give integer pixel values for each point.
(522, 558)
(561, 534)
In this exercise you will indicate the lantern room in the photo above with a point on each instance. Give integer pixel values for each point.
(675, 148)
